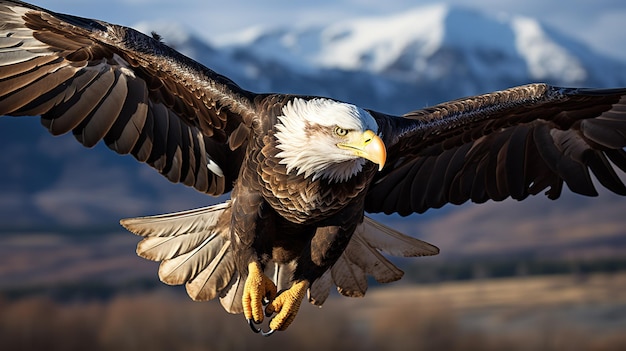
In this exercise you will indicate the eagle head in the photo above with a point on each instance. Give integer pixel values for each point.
(327, 139)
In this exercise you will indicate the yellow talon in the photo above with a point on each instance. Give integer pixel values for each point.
(286, 305)
(258, 286)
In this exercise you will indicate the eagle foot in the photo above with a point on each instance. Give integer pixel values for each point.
(257, 290)
(286, 306)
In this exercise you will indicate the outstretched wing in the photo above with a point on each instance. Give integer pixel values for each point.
(112, 83)
(511, 143)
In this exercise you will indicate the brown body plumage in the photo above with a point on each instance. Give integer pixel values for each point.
(302, 170)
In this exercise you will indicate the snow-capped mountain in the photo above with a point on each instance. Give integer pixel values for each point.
(413, 45)
(393, 64)
(403, 61)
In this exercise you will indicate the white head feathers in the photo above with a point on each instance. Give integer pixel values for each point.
(308, 144)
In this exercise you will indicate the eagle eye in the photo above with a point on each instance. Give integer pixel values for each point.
(341, 132)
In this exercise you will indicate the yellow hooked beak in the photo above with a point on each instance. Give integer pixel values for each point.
(369, 146)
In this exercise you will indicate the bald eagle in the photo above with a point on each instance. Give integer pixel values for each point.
(302, 170)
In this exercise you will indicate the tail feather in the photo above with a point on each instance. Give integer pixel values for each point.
(350, 278)
(183, 268)
(192, 247)
(281, 274)
(363, 256)
(360, 253)
(320, 289)
(230, 297)
(158, 248)
(392, 242)
(214, 278)
(178, 223)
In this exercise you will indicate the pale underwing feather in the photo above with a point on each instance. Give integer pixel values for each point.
(320, 289)
(360, 253)
(215, 277)
(193, 248)
(349, 278)
(178, 223)
(230, 297)
(393, 242)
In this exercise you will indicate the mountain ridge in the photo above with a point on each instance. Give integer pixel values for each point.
(409, 43)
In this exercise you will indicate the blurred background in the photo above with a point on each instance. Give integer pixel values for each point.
(536, 274)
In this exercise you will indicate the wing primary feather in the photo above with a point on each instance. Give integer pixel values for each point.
(144, 145)
(160, 131)
(575, 175)
(618, 157)
(126, 130)
(515, 162)
(22, 80)
(606, 132)
(422, 174)
(71, 114)
(604, 172)
(173, 155)
(455, 193)
(58, 95)
(41, 86)
(102, 119)
(9, 71)
(187, 163)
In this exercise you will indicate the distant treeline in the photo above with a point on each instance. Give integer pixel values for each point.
(416, 271)
(83, 290)
(429, 272)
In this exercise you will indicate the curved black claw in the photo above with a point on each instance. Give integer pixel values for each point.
(251, 323)
(268, 333)
(265, 301)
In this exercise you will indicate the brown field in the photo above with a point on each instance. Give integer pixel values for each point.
(536, 313)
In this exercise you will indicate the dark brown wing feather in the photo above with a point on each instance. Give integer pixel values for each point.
(111, 83)
(513, 143)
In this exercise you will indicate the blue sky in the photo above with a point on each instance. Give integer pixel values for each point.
(599, 23)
